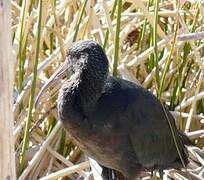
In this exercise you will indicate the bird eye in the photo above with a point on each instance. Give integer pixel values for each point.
(78, 56)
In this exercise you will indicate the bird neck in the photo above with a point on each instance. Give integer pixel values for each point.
(91, 83)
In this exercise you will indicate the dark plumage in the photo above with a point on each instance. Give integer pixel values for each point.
(118, 123)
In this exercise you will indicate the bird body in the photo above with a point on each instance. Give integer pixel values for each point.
(118, 123)
(125, 129)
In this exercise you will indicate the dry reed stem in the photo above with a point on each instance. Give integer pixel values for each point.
(39, 154)
(7, 160)
(60, 20)
(65, 161)
(67, 171)
(149, 17)
(191, 36)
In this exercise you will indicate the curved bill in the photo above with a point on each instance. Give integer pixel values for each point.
(59, 74)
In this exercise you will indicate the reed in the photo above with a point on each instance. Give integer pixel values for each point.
(157, 44)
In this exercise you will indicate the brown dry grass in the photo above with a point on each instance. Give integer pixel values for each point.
(50, 150)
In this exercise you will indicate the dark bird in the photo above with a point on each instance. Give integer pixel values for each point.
(116, 122)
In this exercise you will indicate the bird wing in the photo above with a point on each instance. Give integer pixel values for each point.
(151, 135)
(141, 116)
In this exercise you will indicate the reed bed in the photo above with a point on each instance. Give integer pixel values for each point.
(156, 44)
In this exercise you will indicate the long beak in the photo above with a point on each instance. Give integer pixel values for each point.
(59, 74)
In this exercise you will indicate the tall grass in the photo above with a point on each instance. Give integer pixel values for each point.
(117, 40)
(141, 40)
(32, 93)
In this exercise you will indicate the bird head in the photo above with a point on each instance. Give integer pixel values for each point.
(85, 55)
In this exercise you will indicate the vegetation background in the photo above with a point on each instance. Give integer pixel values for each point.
(157, 44)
